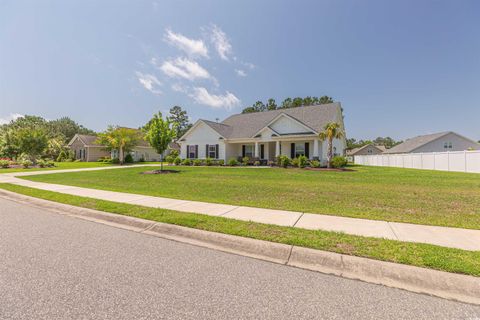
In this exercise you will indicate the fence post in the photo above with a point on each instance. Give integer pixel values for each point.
(465, 156)
(448, 160)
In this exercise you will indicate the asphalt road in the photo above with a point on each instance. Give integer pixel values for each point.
(59, 267)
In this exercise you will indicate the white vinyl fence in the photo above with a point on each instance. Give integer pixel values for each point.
(463, 161)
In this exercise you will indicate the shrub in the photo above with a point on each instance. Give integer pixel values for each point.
(294, 162)
(221, 162)
(284, 161)
(197, 162)
(302, 161)
(26, 163)
(315, 164)
(62, 156)
(256, 163)
(339, 162)
(245, 160)
(128, 158)
(41, 163)
(142, 159)
(177, 161)
(187, 162)
(208, 161)
(68, 160)
(169, 159)
(174, 153)
(4, 163)
(115, 161)
(232, 162)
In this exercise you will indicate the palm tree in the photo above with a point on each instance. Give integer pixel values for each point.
(331, 131)
(120, 139)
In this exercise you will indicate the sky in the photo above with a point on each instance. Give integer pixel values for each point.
(399, 68)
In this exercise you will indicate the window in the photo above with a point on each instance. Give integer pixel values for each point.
(192, 154)
(299, 149)
(447, 145)
(212, 151)
(249, 150)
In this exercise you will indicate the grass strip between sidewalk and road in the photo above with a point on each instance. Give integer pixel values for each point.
(416, 254)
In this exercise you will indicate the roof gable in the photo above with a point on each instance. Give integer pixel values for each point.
(214, 126)
(416, 142)
(283, 124)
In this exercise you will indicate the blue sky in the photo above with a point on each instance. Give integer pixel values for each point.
(400, 68)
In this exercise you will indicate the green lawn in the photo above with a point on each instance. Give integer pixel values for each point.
(66, 165)
(392, 194)
(417, 254)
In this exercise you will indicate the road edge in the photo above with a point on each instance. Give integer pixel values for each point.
(442, 284)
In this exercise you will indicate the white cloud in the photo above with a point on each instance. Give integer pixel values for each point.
(177, 87)
(10, 117)
(183, 68)
(149, 82)
(240, 73)
(192, 47)
(249, 65)
(221, 42)
(227, 101)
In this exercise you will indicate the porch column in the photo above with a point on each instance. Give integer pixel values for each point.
(277, 148)
(256, 150)
(315, 149)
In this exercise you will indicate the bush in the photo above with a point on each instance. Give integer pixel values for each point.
(115, 161)
(186, 162)
(174, 153)
(294, 162)
(142, 159)
(284, 161)
(26, 163)
(245, 160)
(339, 162)
(41, 163)
(315, 164)
(128, 158)
(256, 163)
(169, 159)
(4, 164)
(50, 163)
(197, 162)
(209, 161)
(232, 162)
(302, 161)
(177, 161)
(221, 162)
(62, 156)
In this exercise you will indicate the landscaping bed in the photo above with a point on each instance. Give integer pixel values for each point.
(379, 193)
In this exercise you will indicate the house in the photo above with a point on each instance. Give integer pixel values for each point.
(265, 135)
(365, 150)
(436, 142)
(85, 148)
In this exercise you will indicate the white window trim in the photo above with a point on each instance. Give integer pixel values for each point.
(212, 149)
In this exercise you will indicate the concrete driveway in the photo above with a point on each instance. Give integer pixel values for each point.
(59, 267)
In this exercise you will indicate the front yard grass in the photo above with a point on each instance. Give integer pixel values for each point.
(417, 254)
(390, 194)
(68, 165)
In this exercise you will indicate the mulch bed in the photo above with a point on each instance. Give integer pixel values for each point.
(329, 169)
(166, 171)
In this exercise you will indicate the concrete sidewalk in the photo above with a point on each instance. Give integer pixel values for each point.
(465, 239)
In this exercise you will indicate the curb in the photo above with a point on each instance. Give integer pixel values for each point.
(442, 284)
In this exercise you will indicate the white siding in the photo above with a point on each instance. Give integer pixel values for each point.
(459, 143)
(202, 135)
(285, 125)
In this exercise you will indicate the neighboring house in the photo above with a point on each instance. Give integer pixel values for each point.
(365, 150)
(85, 148)
(265, 135)
(436, 142)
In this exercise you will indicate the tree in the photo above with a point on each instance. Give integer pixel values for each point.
(160, 133)
(271, 104)
(121, 139)
(32, 142)
(287, 103)
(325, 100)
(180, 118)
(66, 128)
(331, 131)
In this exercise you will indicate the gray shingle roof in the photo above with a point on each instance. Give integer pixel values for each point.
(91, 140)
(247, 125)
(355, 150)
(411, 144)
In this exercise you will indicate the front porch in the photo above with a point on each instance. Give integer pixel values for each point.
(270, 150)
